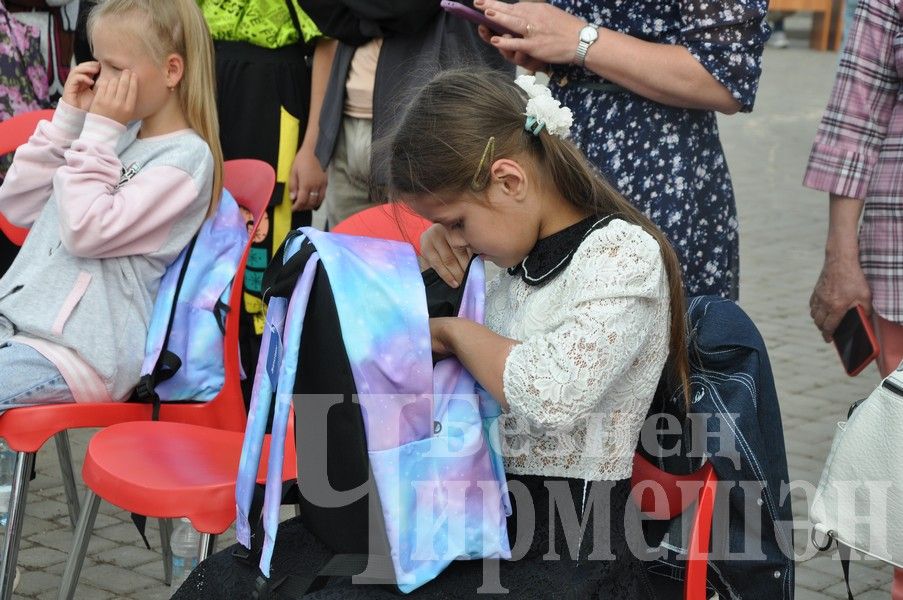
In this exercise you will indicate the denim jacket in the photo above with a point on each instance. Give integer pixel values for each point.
(732, 391)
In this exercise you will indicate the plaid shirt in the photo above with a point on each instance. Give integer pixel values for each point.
(858, 151)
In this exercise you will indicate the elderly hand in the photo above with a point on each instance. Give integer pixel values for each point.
(840, 286)
(550, 34)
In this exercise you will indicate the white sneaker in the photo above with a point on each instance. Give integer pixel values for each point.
(778, 39)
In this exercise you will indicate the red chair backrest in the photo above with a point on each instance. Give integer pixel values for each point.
(251, 181)
(14, 132)
(393, 221)
(662, 495)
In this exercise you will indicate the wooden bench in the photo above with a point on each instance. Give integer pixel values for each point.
(827, 20)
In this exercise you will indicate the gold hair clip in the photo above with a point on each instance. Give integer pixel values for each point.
(480, 178)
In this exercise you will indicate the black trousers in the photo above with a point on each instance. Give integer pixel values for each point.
(263, 97)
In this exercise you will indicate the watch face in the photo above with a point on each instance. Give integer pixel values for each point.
(589, 34)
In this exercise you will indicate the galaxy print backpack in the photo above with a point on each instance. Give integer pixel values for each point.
(399, 468)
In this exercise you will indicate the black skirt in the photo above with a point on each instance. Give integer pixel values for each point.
(557, 562)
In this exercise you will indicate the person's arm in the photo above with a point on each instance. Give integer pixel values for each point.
(29, 182)
(712, 67)
(482, 351)
(102, 214)
(841, 284)
(308, 176)
(661, 72)
(844, 154)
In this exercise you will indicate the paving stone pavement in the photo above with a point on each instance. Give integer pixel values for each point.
(782, 234)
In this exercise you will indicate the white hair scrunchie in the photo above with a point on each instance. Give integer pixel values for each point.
(543, 110)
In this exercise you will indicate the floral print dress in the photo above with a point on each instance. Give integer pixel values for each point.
(669, 161)
(23, 78)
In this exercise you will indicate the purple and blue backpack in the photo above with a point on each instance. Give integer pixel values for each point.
(398, 464)
(183, 358)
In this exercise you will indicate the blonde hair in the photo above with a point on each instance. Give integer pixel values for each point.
(178, 27)
(441, 146)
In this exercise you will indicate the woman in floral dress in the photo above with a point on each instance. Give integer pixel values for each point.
(644, 104)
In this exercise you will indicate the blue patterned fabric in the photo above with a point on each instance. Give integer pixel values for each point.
(668, 161)
(197, 330)
(432, 437)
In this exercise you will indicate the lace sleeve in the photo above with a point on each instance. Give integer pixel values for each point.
(614, 301)
(727, 38)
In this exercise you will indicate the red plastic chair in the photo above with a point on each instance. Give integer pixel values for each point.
(650, 484)
(14, 132)
(393, 221)
(165, 470)
(26, 429)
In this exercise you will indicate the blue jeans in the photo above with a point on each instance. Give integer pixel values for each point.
(29, 379)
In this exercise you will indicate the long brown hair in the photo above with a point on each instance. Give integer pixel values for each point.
(178, 27)
(441, 144)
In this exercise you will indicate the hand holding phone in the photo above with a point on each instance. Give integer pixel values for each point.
(476, 17)
(855, 341)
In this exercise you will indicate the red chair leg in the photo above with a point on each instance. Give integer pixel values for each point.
(700, 535)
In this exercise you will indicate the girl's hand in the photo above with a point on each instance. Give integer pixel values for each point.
(840, 286)
(307, 180)
(116, 98)
(550, 34)
(439, 334)
(78, 91)
(449, 261)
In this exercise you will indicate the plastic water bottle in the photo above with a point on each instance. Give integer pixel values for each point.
(185, 544)
(7, 470)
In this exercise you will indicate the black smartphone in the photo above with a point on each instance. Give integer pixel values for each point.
(855, 341)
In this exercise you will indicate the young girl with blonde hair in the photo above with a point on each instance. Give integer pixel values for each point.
(113, 189)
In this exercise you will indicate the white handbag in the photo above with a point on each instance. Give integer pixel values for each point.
(859, 499)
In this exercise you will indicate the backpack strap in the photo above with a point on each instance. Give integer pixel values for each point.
(844, 552)
(261, 399)
(297, 308)
(293, 13)
(167, 363)
(268, 379)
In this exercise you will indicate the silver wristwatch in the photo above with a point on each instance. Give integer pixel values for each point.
(588, 35)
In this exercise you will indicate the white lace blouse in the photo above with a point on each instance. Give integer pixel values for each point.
(594, 340)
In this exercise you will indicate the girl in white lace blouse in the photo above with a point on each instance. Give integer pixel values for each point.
(580, 325)
(578, 331)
